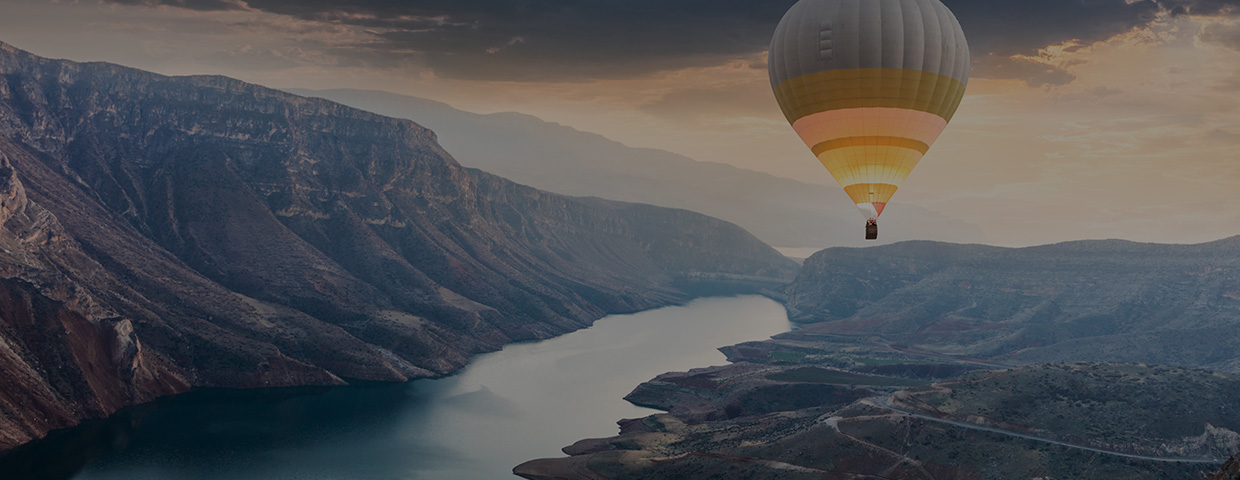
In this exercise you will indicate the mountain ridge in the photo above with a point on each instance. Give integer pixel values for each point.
(555, 157)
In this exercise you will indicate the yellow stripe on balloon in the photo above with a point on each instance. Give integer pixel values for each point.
(867, 88)
(871, 192)
(861, 164)
(870, 141)
(870, 174)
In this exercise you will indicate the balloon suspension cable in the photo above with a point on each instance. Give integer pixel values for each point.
(871, 229)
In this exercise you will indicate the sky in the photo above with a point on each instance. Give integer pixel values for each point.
(1082, 118)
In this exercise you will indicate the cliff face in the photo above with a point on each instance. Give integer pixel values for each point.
(1230, 470)
(1077, 301)
(165, 233)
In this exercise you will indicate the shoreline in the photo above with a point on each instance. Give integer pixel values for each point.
(215, 395)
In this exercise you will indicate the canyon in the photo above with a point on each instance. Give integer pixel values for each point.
(162, 234)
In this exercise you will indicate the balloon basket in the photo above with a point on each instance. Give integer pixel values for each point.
(871, 230)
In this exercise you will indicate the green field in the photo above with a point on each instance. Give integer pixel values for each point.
(822, 375)
(786, 356)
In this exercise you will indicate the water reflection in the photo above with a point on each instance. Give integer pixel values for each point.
(526, 401)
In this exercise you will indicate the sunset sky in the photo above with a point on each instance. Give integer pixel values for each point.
(1083, 119)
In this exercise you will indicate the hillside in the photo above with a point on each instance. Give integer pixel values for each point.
(168, 233)
(1048, 421)
(926, 360)
(553, 157)
(1077, 301)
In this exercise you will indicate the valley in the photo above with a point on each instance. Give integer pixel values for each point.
(929, 360)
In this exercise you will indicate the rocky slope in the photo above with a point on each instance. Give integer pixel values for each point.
(1230, 471)
(166, 233)
(1078, 301)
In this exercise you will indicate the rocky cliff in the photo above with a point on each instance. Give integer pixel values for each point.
(1078, 301)
(166, 233)
(1230, 470)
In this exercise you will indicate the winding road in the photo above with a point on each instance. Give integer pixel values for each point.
(885, 404)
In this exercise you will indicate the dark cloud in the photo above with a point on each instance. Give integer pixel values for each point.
(558, 39)
(203, 5)
(541, 40)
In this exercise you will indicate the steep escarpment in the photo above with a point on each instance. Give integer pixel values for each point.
(1079, 301)
(164, 233)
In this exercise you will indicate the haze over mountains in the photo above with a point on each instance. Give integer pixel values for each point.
(782, 212)
(167, 233)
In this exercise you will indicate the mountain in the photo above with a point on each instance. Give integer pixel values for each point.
(932, 360)
(1078, 301)
(161, 234)
(553, 157)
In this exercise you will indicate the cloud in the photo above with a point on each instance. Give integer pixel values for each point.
(1032, 71)
(559, 40)
(1226, 34)
(1228, 85)
(258, 58)
(1220, 136)
(201, 5)
(566, 40)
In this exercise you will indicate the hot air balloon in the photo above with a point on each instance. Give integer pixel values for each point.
(869, 85)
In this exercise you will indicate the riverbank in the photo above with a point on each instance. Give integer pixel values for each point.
(524, 401)
(788, 414)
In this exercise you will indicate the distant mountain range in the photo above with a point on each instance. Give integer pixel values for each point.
(161, 234)
(1105, 300)
(553, 157)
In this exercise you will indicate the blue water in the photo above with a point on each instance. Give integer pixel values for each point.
(524, 402)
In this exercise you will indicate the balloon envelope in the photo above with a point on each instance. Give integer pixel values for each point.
(869, 85)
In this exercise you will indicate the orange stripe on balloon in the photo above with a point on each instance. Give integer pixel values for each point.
(859, 122)
(871, 141)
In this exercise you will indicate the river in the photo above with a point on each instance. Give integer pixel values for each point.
(526, 401)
